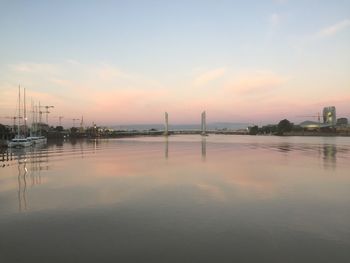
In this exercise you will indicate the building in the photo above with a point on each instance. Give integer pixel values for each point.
(310, 125)
(329, 115)
(313, 125)
(343, 122)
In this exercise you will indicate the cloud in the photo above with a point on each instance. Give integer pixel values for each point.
(333, 29)
(34, 68)
(301, 42)
(274, 23)
(72, 75)
(280, 1)
(90, 88)
(103, 71)
(73, 62)
(108, 72)
(209, 76)
(107, 94)
(256, 82)
(275, 19)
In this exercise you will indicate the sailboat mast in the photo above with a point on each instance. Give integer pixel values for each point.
(19, 109)
(25, 113)
(36, 120)
(39, 119)
(33, 117)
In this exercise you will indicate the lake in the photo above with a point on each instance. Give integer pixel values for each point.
(184, 198)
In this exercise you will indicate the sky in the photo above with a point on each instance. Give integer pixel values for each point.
(127, 62)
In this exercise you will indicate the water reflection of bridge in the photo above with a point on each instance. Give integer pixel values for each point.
(203, 148)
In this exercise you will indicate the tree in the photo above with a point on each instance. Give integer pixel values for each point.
(73, 131)
(59, 128)
(253, 130)
(5, 133)
(268, 129)
(284, 126)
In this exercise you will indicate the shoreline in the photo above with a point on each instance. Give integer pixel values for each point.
(3, 143)
(232, 133)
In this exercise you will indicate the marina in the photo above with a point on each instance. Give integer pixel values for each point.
(21, 140)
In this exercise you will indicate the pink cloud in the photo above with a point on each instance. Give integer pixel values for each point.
(108, 95)
(208, 76)
(256, 82)
(333, 29)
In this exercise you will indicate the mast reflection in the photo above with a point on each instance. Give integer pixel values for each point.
(22, 185)
(30, 163)
(6, 157)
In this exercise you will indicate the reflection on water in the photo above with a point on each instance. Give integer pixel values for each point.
(22, 199)
(330, 156)
(285, 147)
(35, 155)
(30, 163)
(177, 199)
(204, 148)
(166, 147)
(6, 156)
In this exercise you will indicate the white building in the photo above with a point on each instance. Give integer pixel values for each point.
(329, 115)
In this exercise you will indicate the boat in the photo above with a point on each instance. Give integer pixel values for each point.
(35, 134)
(36, 140)
(20, 141)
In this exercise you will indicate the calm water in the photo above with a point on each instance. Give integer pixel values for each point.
(181, 199)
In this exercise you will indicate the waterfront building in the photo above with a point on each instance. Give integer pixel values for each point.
(343, 122)
(329, 115)
(310, 125)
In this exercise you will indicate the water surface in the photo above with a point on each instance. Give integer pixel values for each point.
(177, 199)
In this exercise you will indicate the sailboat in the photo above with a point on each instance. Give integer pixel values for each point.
(37, 139)
(20, 141)
(34, 137)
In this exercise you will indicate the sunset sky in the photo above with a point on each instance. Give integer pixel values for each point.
(126, 62)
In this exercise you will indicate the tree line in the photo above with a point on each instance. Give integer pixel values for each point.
(279, 129)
